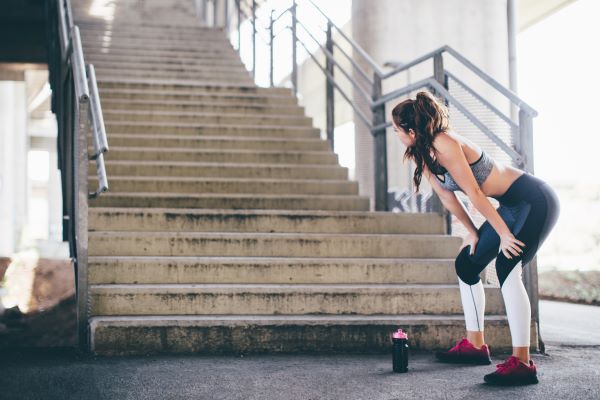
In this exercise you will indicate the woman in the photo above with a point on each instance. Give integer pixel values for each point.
(528, 210)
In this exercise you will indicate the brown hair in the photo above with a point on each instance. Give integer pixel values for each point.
(427, 117)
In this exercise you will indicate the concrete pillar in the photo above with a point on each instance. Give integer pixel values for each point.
(401, 30)
(13, 165)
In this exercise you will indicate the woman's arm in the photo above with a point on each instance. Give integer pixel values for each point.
(450, 201)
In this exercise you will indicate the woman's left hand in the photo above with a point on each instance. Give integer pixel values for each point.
(510, 245)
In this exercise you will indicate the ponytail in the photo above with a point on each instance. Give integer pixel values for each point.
(427, 117)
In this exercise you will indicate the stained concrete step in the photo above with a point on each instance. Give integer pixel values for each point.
(231, 107)
(133, 243)
(248, 334)
(144, 28)
(215, 142)
(263, 221)
(174, 154)
(195, 95)
(262, 298)
(107, 36)
(185, 53)
(233, 201)
(187, 118)
(171, 184)
(145, 66)
(164, 59)
(202, 107)
(186, 86)
(211, 129)
(198, 49)
(271, 270)
(215, 76)
(220, 170)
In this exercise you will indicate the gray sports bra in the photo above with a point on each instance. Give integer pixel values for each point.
(481, 169)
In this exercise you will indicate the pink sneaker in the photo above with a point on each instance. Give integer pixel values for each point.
(513, 372)
(465, 353)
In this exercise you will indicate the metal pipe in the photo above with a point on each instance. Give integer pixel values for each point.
(271, 39)
(380, 149)
(294, 50)
(79, 75)
(329, 93)
(101, 143)
(253, 39)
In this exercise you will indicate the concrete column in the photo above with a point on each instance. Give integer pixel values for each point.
(401, 30)
(13, 165)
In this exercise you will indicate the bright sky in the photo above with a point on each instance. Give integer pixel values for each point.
(558, 64)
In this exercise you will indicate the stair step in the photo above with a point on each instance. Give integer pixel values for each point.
(184, 154)
(185, 85)
(263, 221)
(219, 170)
(222, 299)
(195, 95)
(194, 76)
(128, 243)
(233, 201)
(165, 59)
(215, 142)
(155, 270)
(202, 107)
(211, 129)
(165, 67)
(187, 118)
(170, 184)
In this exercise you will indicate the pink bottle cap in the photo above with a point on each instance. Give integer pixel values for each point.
(399, 334)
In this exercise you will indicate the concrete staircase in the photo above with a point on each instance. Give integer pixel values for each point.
(230, 227)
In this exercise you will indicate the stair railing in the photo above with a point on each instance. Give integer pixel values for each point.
(500, 120)
(76, 104)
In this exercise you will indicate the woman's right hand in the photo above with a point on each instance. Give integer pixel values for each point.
(470, 239)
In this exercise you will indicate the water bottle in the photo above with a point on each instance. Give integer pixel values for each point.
(400, 351)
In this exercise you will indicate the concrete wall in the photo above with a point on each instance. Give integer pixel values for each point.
(13, 165)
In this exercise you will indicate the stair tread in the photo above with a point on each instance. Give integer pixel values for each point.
(267, 287)
(384, 318)
(268, 235)
(270, 259)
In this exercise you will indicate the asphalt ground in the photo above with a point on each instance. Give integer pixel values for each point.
(570, 369)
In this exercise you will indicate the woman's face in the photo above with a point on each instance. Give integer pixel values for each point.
(407, 138)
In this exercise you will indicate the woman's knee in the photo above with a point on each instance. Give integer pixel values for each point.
(466, 266)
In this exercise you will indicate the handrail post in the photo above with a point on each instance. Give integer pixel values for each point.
(253, 39)
(294, 55)
(239, 24)
(380, 149)
(530, 272)
(329, 93)
(226, 14)
(215, 14)
(436, 203)
(271, 44)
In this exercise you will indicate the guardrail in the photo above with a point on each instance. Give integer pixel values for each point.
(76, 103)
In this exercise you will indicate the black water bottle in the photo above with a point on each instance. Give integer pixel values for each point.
(400, 351)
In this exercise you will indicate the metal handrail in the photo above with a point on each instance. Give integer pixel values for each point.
(76, 104)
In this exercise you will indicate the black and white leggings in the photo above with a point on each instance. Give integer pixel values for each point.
(530, 209)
